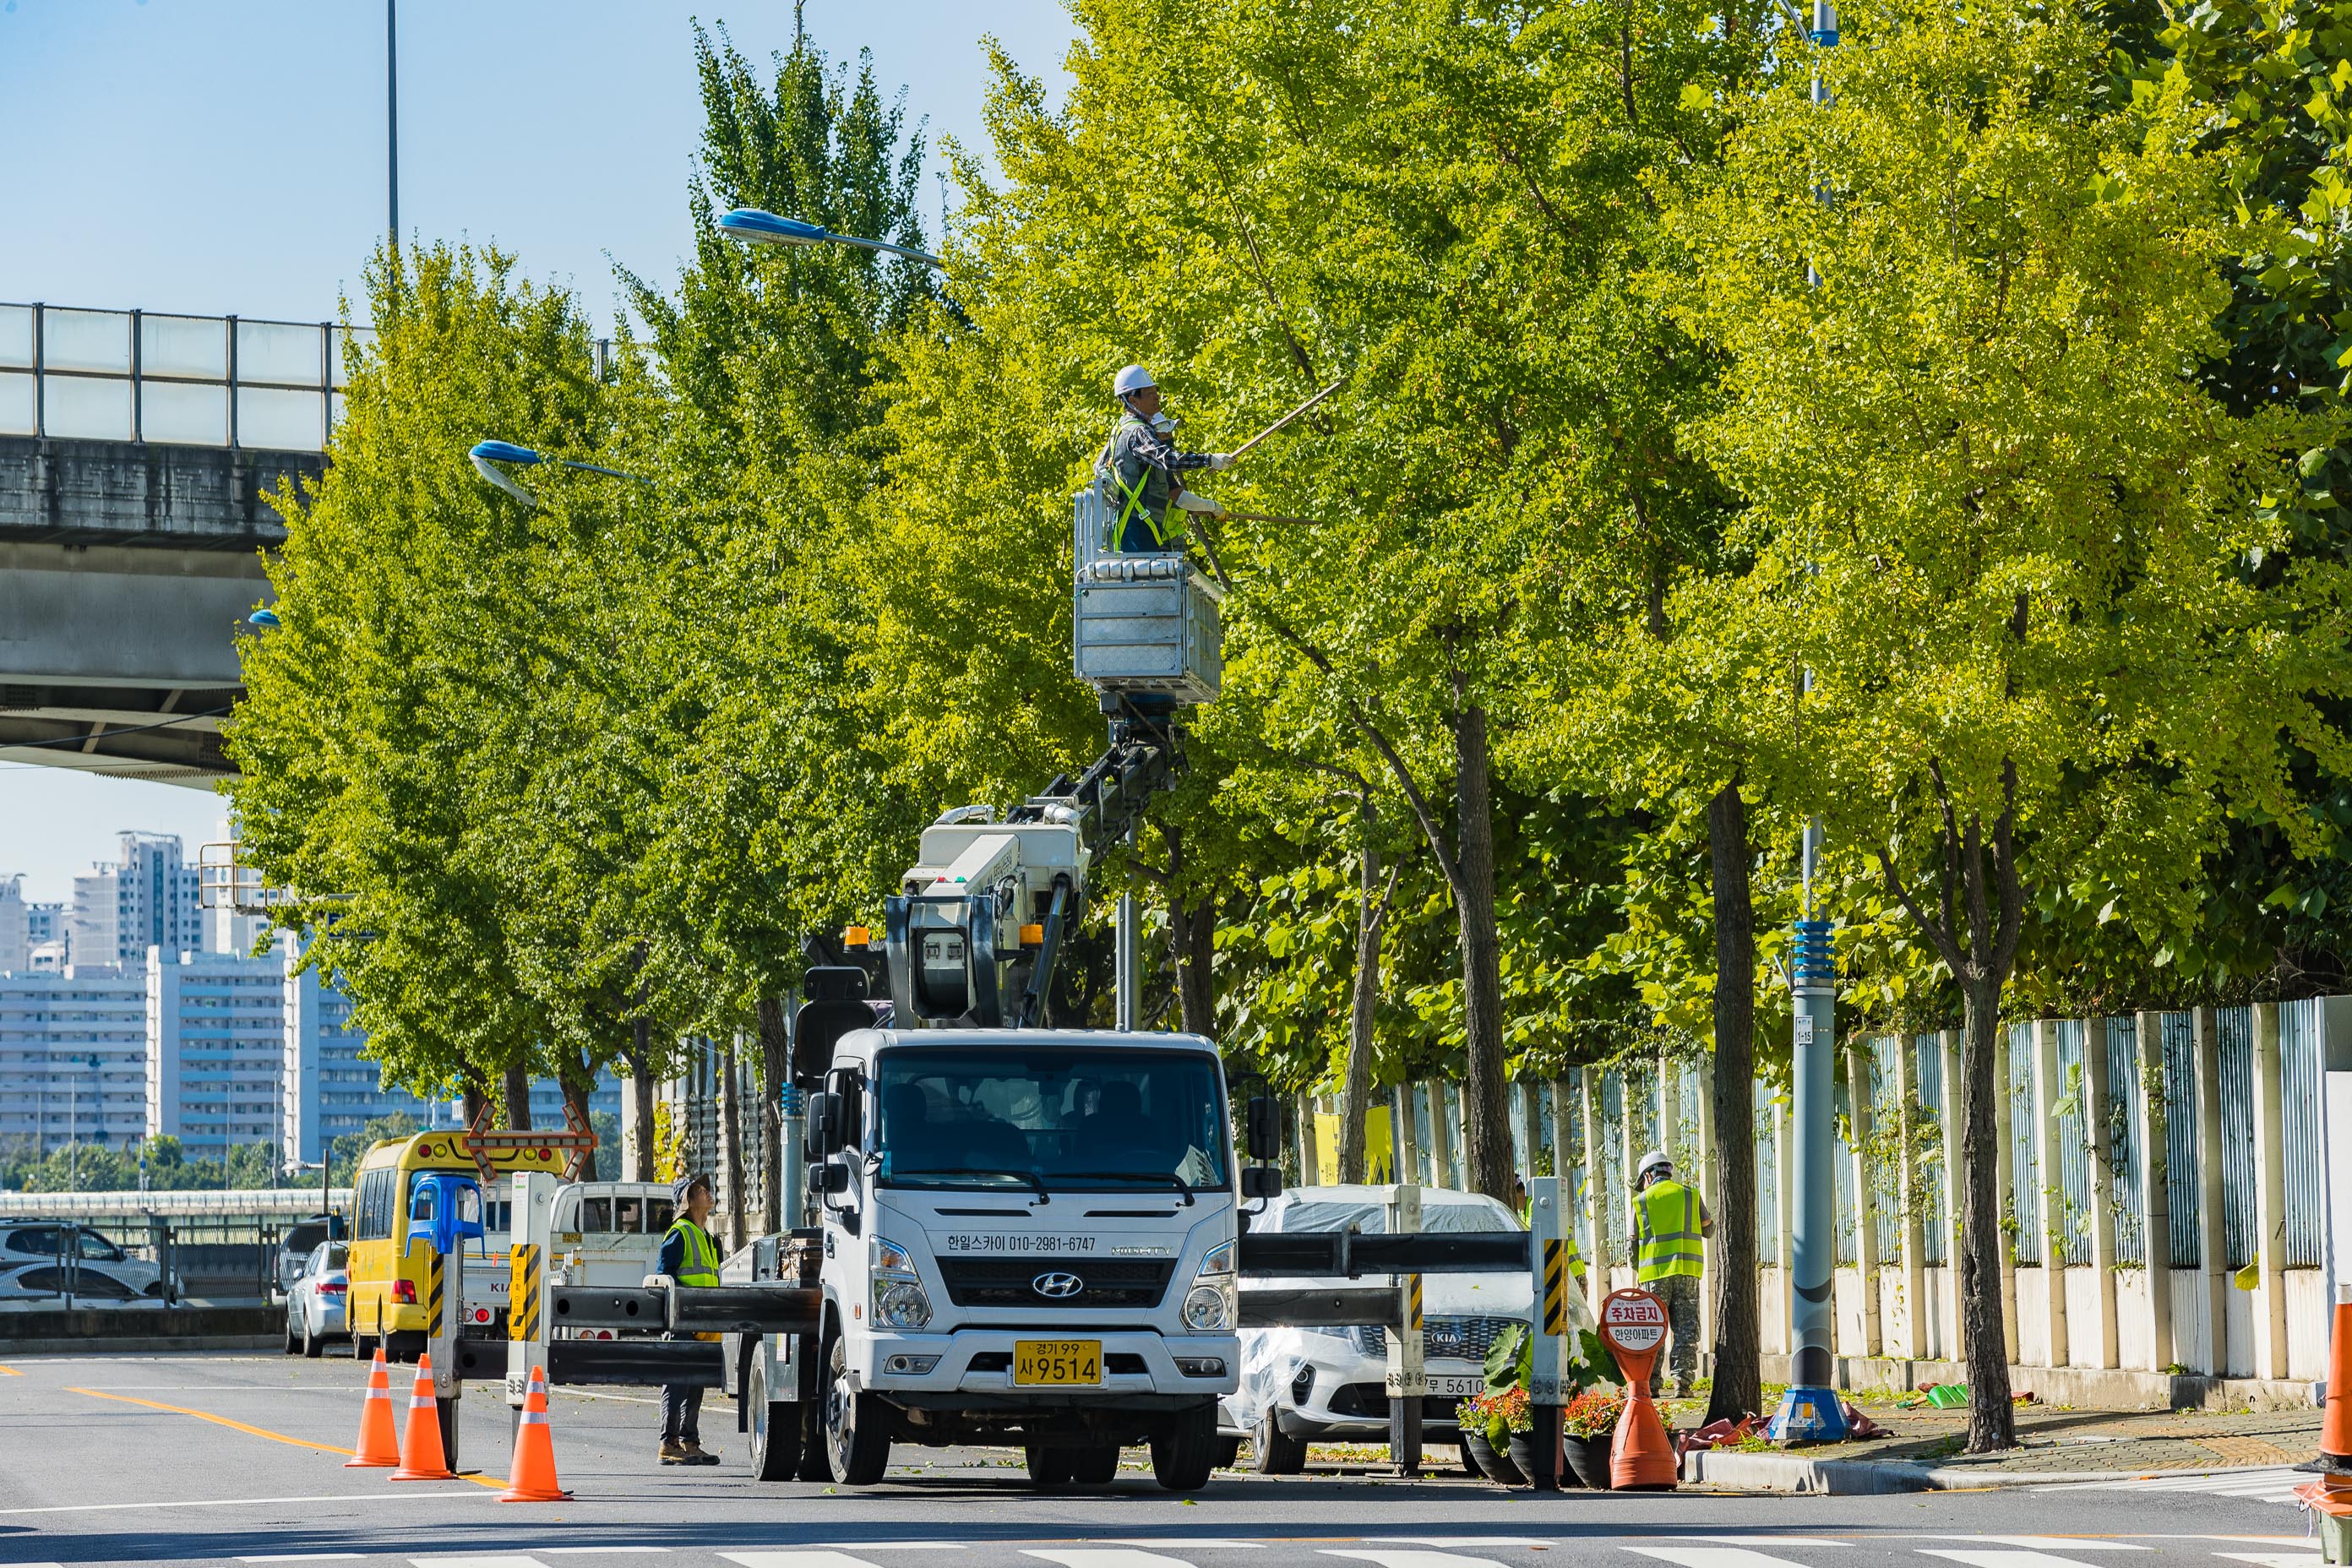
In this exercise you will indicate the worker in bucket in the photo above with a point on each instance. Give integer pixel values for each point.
(1669, 1219)
(1142, 472)
(689, 1256)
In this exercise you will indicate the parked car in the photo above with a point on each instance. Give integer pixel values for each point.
(1298, 1385)
(294, 1247)
(315, 1299)
(34, 1241)
(43, 1284)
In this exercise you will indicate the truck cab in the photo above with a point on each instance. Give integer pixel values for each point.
(1029, 1239)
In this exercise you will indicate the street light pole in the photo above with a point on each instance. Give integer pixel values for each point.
(1809, 1411)
(392, 117)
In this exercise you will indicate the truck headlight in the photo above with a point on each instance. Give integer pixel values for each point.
(1209, 1305)
(900, 1301)
(901, 1304)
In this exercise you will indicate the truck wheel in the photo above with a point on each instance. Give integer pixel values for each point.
(775, 1429)
(817, 1463)
(860, 1443)
(1273, 1452)
(1095, 1466)
(1048, 1467)
(1229, 1452)
(1184, 1452)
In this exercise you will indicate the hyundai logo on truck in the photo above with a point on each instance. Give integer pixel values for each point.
(1057, 1287)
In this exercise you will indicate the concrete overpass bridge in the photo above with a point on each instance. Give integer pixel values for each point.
(136, 449)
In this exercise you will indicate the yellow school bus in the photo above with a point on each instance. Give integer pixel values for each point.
(386, 1302)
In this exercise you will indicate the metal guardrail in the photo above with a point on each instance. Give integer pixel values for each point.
(151, 376)
(191, 381)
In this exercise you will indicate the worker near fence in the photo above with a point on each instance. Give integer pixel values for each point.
(1142, 472)
(689, 1256)
(1669, 1219)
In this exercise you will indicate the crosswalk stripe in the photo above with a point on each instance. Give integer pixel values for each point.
(1711, 1556)
(478, 1562)
(1420, 1558)
(2005, 1558)
(1194, 1544)
(2040, 1542)
(1767, 1540)
(818, 1557)
(2274, 1559)
(1106, 1557)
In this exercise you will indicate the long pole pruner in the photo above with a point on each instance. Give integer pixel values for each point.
(1289, 417)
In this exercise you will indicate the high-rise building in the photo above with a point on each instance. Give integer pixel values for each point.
(145, 898)
(73, 1059)
(215, 1048)
(15, 927)
(329, 1089)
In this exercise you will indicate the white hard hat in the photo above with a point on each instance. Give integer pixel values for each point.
(1134, 378)
(1652, 1160)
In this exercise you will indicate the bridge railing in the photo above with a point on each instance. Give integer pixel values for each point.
(192, 381)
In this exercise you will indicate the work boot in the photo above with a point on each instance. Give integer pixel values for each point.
(674, 1453)
(695, 1454)
(1682, 1389)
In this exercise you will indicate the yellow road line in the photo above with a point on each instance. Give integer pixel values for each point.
(10, 1371)
(249, 1430)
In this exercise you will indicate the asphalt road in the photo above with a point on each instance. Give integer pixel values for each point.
(185, 1458)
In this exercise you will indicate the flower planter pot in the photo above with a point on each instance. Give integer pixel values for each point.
(1588, 1460)
(1495, 1467)
(1525, 1459)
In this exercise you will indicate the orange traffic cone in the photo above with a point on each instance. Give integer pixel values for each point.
(531, 1477)
(378, 1438)
(2335, 1426)
(420, 1457)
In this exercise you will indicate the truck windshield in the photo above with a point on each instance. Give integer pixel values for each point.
(993, 1117)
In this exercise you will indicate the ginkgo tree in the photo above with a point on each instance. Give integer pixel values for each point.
(2004, 531)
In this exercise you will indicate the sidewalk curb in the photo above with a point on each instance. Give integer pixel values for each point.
(1797, 1474)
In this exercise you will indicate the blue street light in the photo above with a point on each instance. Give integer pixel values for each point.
(486, 453)
(754, 226)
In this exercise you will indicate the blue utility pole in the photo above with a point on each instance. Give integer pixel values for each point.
(1810, 1412)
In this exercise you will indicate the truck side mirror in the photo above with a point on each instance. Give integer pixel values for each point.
(825, 1130)
(831, 1177)
(1261, 1182)
(1262, 1128)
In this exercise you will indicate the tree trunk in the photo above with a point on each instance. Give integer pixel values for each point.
(1739, 1374)
(474, 1097)
(641, 1110)
(1192, 945)
(773, 1067)
(576, 1082)
(1486, 1113)
(518, 1098)
(1992, 1420)
(730, 1144)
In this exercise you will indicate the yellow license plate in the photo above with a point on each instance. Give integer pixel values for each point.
(1049, 1363)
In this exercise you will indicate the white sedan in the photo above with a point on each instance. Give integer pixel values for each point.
(314, 1303)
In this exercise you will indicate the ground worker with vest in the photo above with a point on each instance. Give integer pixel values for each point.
(690, 1256)
(1669, 1218)
(1140, 471)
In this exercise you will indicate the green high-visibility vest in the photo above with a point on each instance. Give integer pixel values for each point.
(699, 1266)
(1161, 533)
(1665, 1232)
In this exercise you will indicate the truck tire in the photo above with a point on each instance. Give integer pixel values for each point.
(817, 1466)
(1048, 1467)
(1273, 1452)
(1095, 1467)
(1229, 1452)
(775, 1429)
(1184, 1452)
(857, 1442)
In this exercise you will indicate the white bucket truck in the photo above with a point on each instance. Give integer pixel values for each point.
(1029, 1239)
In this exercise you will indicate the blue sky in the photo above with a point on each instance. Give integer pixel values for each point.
(217, 156)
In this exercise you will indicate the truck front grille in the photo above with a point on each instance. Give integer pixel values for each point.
(1467, 1338)
(1012, 1283)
